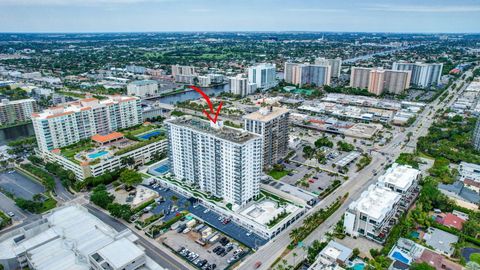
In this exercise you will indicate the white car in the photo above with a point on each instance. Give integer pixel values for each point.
(11, 214)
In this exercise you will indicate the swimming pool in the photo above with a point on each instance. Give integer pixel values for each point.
(148, 135)
(97, 154)
(162, 169)
(359, 266)
(399, 257)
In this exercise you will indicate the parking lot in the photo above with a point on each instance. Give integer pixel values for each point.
(19, 185)
(174, 202)
(219, 254)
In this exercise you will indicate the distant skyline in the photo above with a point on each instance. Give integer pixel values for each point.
(407, 16)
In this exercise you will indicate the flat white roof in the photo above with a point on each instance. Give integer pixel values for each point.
(400, 176)
(375, 202)
(264, 211)
(65, 240)
(120, 253)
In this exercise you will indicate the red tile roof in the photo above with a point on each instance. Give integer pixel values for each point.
(107, 138)
(438, 261)
(451, 220)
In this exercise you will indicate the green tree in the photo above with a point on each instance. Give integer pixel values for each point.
(120, 210)
(421, 266)
(323, 141)
(101, 197)
(130, 178)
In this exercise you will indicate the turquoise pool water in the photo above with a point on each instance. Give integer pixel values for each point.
(359, 266)
(399, 257)
(148, 135)
(162, 169)
(97, 154)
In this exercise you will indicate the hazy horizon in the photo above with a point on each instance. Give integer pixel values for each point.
(123, 16)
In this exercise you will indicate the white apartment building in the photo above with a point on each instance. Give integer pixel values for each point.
(16, 111)
(209, 79)
(108, 163)
(379, 207)
(400, 178)
(70, 238)
(424, 75)
(184, 74)
(263, 75)
(222, 161)
(240, 86)
(373, 214)
(144, 88)
(272, 124)
(204, 81)
(69, 123)
(335, 65)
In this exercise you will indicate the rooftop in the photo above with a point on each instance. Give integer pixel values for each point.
(226, 133)
(13, 102)
(337, 251)
(107, 138)
(376, 202)
(81, 105)
(266, 114)
(144, 82)
(400, 176)
(440, 240)
(64, 239)
(120, 253)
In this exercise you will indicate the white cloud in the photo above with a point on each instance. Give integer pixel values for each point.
(424, 9)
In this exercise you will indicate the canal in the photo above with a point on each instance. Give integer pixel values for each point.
(189, 95)
(14, 133)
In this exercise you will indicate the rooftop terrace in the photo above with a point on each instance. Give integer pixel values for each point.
(221, 132)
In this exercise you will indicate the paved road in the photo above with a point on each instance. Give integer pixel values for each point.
(274, 249)
(7, 205)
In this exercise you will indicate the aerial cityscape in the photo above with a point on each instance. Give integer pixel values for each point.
(183, 135)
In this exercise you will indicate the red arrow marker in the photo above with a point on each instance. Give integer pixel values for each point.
(210, 105)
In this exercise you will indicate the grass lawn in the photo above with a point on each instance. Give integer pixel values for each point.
(139, 130)
(278, 174)
(475, 257)
(48, 204)
(70, 151)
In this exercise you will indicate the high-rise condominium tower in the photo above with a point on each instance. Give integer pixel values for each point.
(223, 161)
(272, 124)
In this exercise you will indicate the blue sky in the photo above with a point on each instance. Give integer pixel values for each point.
(239, 15)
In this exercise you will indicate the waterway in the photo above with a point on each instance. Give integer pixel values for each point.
(189, 95)
(368, 56)
(14, 133)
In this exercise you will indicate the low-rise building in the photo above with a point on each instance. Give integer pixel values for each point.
(333, 255)
(400, 178)
(107, 153)
(373, 214)
(71, 238)
(406, 252)
(441, 241)
(469, 174)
